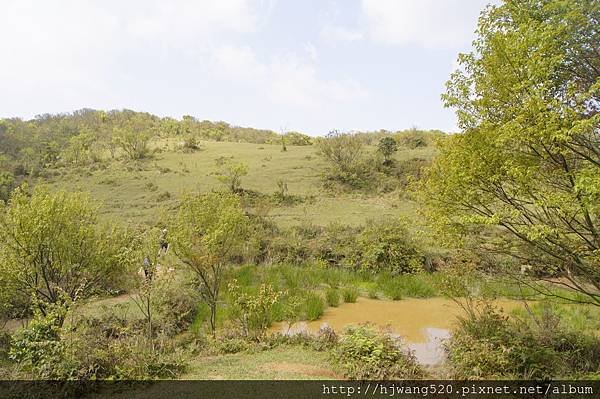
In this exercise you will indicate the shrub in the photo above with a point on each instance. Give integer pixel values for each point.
(388, 246)
(313, 306)
(333, 297)
(326, 338)
(229, 345)
(107, 347)
(365, 354)
(190, 144)
(487, 344)
(350, 294)
(38, 348)
(345, 154)
(165, 195)
(253, 312)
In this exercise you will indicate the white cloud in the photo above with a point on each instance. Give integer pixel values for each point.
(71, 50)
(334, 34)
(175, 20)
(284, 79)
(429, 23)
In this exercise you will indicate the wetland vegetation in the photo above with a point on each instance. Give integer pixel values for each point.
(139, 247)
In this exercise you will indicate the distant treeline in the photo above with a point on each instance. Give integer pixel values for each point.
(27, 147)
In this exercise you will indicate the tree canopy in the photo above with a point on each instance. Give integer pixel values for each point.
(523, 178)
(51, 246)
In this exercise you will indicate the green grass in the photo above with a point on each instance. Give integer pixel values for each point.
(422, 285)
(350, 294)
(333, 297)
(313, 306)
(292, 363)
(139, 191)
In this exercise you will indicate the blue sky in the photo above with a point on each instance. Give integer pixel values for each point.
(310, 65)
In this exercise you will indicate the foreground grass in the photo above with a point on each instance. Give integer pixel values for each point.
(282, 363)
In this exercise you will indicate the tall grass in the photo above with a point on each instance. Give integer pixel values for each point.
(420, 285)
(333, 297)
(350, 294)
(314, 307)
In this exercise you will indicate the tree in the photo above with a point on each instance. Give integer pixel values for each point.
(51, 246)
(209, 230)
(523, 179)
(133, 132)
(151, 278)
(134, 143)
(231, 174)
(387, 147)
(344, 152)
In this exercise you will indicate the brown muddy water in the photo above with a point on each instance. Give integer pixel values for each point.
(423, 324)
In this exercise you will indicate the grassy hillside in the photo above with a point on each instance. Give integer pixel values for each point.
(137, 191)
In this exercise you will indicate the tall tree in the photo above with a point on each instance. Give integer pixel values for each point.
(523, 179)
(207, 233)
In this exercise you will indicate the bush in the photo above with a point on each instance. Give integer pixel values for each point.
(364, 354)
(350, 294)
(313, 306)
(176, 305)
(38, 348)
(333, 297)
(253, 312)
(487, 344)
(346, 156)
(190, 144)
(388, 246)
(107, 347)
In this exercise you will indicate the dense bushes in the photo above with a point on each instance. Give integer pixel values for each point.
(487, 344)
(379, 246)
(105, 347)
(365, 354)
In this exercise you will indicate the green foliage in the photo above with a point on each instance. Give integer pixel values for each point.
(392, 288)
(414, 138)
(387, 147)
(296, 138)
(53, 245)
(231, 175)
(387, 246)
(525, 169)
(419, 285)
(253, 311)
(134, 143)
(38, 347)
(489, 345)
(333, 297)
(350, 294)
(81, 149)
(104, 347)
(313, 306)
(364, 354)
(190, 144)
(346, 156)
(208, 232)
(7, 184)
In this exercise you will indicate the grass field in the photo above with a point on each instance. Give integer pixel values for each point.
(283, 363)
(136, 191)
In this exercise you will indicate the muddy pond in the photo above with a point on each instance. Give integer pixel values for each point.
(423, 324)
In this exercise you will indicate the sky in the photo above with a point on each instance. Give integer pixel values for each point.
(309, 66)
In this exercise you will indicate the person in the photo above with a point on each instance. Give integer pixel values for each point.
(164, 244)
(148, 268)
